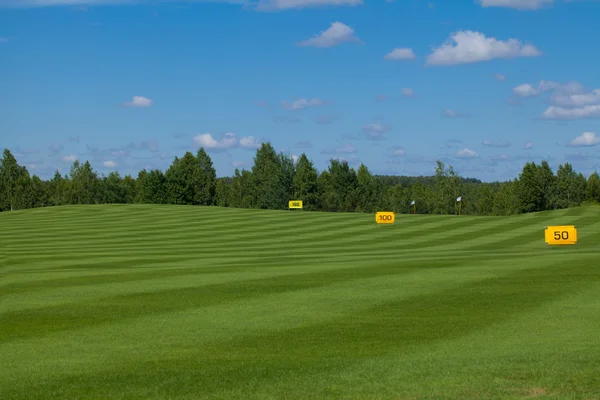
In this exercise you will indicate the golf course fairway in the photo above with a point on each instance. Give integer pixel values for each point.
(189, 302)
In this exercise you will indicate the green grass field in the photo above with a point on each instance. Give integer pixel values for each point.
(178, 302)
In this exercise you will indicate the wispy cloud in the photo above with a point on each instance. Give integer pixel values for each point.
(345, 149)
(400, 54)
(278, 5)
(138, 101)
(335, 35)
(454, 114)
(496, 143)
(302, 104)
(517, 4)
(375, 131)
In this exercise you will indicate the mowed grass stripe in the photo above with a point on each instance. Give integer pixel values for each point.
(316, 347)
(42, 321)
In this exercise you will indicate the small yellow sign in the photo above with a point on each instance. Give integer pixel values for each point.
(560, 235)
(385, 217)
(295, 204)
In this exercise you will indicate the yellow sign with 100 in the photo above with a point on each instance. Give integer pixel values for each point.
(295, 204)
(385, 217)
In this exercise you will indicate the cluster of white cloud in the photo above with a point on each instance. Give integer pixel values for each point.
(269, 5)
(570, 100)
(228, 141)
(462, 47)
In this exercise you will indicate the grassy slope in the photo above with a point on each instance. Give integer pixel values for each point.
(191, 302)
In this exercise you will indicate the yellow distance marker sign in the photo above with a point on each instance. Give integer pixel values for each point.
(385, 217)
(560, 235)
(295, 204)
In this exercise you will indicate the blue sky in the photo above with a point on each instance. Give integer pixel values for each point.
(484, 85)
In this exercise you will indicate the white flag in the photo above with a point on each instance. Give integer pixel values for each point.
(412, 203)
(459, 198)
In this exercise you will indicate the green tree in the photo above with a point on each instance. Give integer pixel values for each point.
(530, 190)
(223, 193)
(205, 179)
(343, 184)
(593, 187)
(9, 168)
(153, 188)
(547, 183)
(447, 189)
(84, 184)
(305, 183)
(181, 187)
(129, 189)
(113, 190)
(570, 187)
(39, 190)
(366, 190)
(268, 191)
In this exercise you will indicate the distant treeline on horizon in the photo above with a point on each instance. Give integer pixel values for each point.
(275, 179)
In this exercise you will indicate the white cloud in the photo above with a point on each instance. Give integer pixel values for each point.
(268, 5)
(249, 142)
(228, 141)
(525, 90)
(528, 145)
(500, 77)
(336, 34)
(518, 4)
(138, 101)
(466, 153)
(375, 131)
(295, 158)
(498, 143)
(586, 139)
(400, 54)
(302, 103)
(207, 141)
(238, 164)
(398, 152)
(261, 5)
(345, 149)
(69, 159)
(109, 164)
(577, 99)
(453, 114)
(563, 91)
(471, 47)
(589, 111)
(408, 92)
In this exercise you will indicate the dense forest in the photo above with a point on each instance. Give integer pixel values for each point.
(276, 178)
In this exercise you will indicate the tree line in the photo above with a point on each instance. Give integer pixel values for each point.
(276, 178)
